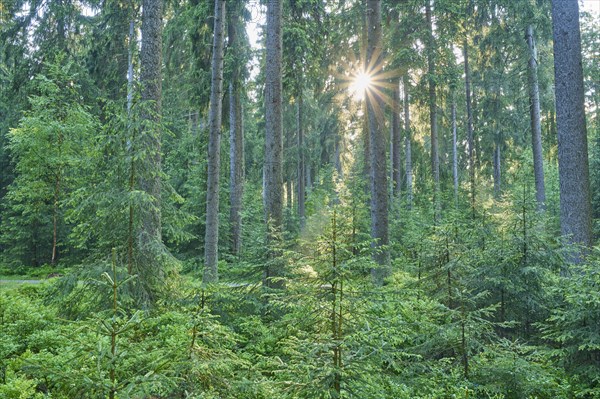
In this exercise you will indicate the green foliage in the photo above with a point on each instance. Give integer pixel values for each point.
(47, 150)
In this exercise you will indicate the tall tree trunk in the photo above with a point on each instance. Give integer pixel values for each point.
(454, 150)
(273, 142)
(470, 140)
(497, 171)
(150, 237)
(407, 142)
(236, 131)
(536, 124)
(130, 232)
(301, 164)
(379, 184)
(366, 142)
(55, 209)
(211, 237)
(396, 139)
(435, 157)
(573, 164)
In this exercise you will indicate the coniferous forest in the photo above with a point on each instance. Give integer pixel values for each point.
(299, 199)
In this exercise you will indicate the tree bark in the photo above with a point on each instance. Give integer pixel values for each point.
(536, 125)
(273, 142)
(236, 132)
(301, 164)
(435, 157)
(573, 164)
(396, 139)
(211, 237)
(407, 142)
(497, 172)
(379, 184)
(470, 140)
(454, 150)
(150, 77)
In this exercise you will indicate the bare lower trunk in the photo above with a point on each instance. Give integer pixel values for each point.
(379, 185)
(273, 142)
(497, 172)
(149, 175)
(435, 157)
(130, 232)
(211, 238)
(396, 140)
(236, 132)
(454, 151)
(470, 141)
(573, 164)
(407, 143)
(536, 125)
(301, 164)
(55, 219)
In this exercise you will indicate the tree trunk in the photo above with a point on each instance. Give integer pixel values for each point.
(573, 168)
(497, 172)
(379, 184)
(273, 142)
(149, 236)
(536, 125)
(55, 209)
(130, 232)
(236, 132)
(301, 164)
(407, 142)
(470, 141)
(435, 157)
(454, 151)
(211, 238)
(396, 139)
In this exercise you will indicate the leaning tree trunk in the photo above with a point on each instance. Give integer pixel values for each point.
(236, 131)
(273, 143)
(407, 142)
(573, 164)
(435, 157)
(379, 184)
(536, 124)
(211, 237)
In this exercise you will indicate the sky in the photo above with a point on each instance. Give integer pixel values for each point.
(257, 11)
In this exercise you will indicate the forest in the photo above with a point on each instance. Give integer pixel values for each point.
(299, 199)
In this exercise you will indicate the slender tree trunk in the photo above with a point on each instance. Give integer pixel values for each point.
(407, 142)
(273, 141)
(211, 238)
(435, 157)
(573, 164)
(497, 171)
(301, 164)
(130, 232)
(470, 140)
(379, 184)
(236, 132)
(454, 150)
(536, 124)
(366, 143)
(396, 139)
(55, 210)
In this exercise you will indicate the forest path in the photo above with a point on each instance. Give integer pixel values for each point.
(21, 281)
